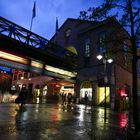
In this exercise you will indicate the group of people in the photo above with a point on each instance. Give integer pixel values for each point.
(66, 97)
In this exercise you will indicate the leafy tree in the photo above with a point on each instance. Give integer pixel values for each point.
(129, 18)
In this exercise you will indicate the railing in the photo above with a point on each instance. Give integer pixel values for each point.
(23, 35)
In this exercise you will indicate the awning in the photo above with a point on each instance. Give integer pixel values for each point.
(72, 49)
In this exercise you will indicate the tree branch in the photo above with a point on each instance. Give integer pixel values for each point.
(137, 20)
(137, 31)
(121, 6)
(136, 13)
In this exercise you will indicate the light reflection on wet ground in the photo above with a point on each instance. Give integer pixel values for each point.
(58, 122)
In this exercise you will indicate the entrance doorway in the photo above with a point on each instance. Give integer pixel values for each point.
(86, 89)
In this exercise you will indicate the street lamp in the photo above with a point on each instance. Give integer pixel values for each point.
(105, 60)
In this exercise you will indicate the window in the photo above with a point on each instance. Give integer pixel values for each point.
(15, 77)
(125, 48)
(25, 74)
(87, 47)
(19, 76)
(102, 37)
(68, 32)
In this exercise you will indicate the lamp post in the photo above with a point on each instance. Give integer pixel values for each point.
(105, 60)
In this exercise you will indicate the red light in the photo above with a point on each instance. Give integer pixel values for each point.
(123, 120)
(123, 93)
(57, 86)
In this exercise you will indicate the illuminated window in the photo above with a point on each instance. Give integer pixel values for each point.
(87, 47)
(101, 95)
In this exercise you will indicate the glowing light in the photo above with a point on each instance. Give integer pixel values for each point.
(123, 93)
(110, 60)
(22, 78)
(13, 58)
(60, 71)
(57, 86)
(37, 100)
(99, 57)
(36, 64)
(81, 115)
(102, 94)
(123, 120)
(84, 90)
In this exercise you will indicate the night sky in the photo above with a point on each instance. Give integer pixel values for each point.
(20, 12)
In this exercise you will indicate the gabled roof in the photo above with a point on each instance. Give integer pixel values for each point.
(92, 24)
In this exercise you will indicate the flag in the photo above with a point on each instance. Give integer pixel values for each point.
(33, 14)
(34, 10)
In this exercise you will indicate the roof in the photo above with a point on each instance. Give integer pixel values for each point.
(92, 24)
(101, 23)
(78, 21)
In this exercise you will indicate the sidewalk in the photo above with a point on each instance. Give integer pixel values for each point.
(54, 121)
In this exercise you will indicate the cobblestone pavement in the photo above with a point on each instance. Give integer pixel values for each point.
(54, 121)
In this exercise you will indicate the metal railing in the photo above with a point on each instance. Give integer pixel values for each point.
(23, 35)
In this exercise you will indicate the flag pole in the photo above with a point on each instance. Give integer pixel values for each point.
(31, 23)
(56, 30)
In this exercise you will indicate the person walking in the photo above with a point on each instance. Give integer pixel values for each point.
(64, 95)
(69, 97)
(86, 99)
(23, 96)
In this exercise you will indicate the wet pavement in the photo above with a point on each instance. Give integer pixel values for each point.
(54, 121)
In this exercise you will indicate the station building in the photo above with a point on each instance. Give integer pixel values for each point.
(95, 77)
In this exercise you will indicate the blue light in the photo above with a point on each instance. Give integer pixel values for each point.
(2, 68)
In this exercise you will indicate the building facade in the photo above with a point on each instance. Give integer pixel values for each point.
(96, 78)
(40, 87)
